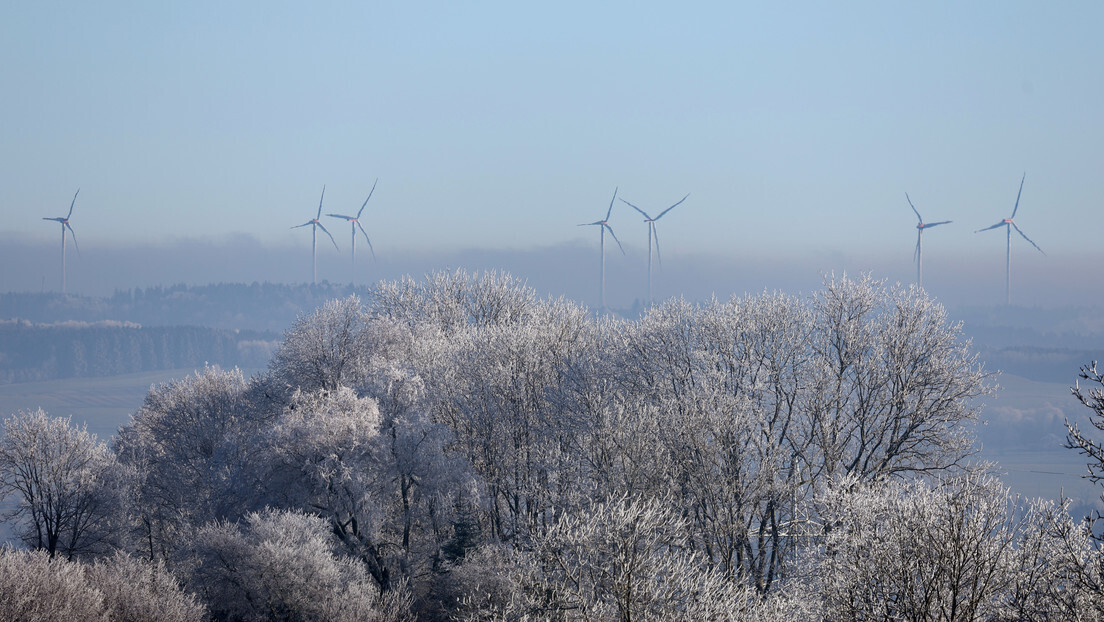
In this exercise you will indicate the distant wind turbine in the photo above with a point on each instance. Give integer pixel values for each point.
(354, 222)
(918, 254)
(315, 225)
(65, 225)
(1009, 226)
(652, 233)
(604, 225)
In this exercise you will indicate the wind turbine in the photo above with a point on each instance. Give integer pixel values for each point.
(919, 253)
(315, 226)
(65, 225)
(354, 222)
(1009, 226)
(652, 233)
(604, 225)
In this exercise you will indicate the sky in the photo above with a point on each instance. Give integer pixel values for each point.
(498, 127)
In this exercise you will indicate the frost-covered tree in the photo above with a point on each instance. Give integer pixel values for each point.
(190, 446)
(497, 398)
(322, 457)
(1093, 399)
(68, 486)
(280, 565)
(138, 590)
(724, 384)
(916, 550)
(1055, 570)
(423, 494)
(37, 588)
(625, 559)
(1091, 568)
(741, 411)
(896, 381)
(453, 429)
(325, 349)
(449, 301)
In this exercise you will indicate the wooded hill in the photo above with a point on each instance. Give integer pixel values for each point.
(35, 352)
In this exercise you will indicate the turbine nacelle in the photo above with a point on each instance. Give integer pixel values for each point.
(1009, 225)
(917, 254)
(603, 226)
(315, 225)
(653, 234)
(64, 220)
(354, 223)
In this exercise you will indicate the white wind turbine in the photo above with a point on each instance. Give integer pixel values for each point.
(354, 222)
(64, 220)
(315, 225)
(1009, 226)
(604, 225)
(918, 254)
(652, 233)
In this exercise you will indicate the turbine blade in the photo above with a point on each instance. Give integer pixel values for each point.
(369, 196)
(1027, 238)
(999, 224)
(342, 216)
(673, 206)
(320, 203)
(309, 222)
(373, 251)
(1018, 196)
(921, 220)
(612, 199)
(73, 203)
(587, 224)
(319, 225)
(615, 238)
(72, 233)
(934, 224)
(637, 209)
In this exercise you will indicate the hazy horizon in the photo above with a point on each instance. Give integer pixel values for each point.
(569, 269)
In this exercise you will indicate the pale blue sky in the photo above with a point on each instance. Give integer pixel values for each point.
(794, 126)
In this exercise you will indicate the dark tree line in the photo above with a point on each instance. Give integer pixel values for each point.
(255, 306)
(458, 449)
(36, 352)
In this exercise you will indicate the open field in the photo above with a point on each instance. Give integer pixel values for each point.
(1023, 431)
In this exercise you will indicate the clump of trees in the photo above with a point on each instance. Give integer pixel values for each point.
(458, 449)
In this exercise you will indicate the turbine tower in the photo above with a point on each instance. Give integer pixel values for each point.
(354, 222)
(65, 225)
(315, 226)
(603, 226)
(918, 254)
(652, 233)
(1009, 226)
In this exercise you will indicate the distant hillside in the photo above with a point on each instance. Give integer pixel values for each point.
(35, 352)
(1041, 344)
(256, 306)
(1045, 345)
